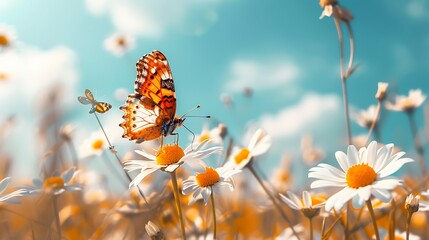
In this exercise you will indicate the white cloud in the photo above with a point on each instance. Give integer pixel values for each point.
(418, 9)
(155, 18)
(29, 72)
(264, 75)
(312, 112)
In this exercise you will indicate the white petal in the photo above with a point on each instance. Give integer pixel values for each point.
(371, 153)
(352, 155)
(147, 156)
(326, 183)
(394, 166)
(387, 183)
(4, 183)
(172, 167)
(294, 199)
(206, 195)
(306, 199)
(262, 146)
(382, 155)
(289, 202)
(381, 194)
(256, 136)
(342, 160)
(67, 176)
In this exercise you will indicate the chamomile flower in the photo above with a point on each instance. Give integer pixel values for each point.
(259, 144)
(364, 118)
(94, 145)
(9, 197)
(204, 183)
(168, 159)
(7, 37)
(215, 134)
(55, 185)
(363, 174)
(408, 103)
(309, 206)
(119, 44)
(331, 7)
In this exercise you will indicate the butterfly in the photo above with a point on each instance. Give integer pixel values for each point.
(100, 107)
(150, 112)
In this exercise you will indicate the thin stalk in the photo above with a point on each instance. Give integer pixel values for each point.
(374, 122)
(343, 81)
(112, 149)
(177, 200)
(345, 96)
(392, 221)
(417, 144)
(73, 153)
(213, 213)
(352, 48)
(311, 228)
(252, 170)
(407, 225)
(374, 221)
(113, 170)
(57, 215)
(323, 226)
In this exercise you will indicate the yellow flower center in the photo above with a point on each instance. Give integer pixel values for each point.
(97, 144)
(323, 3)
(53, 183)
(407, 104)
(209, 178)
(169, 154)
(203, 137)
(242, 155)
(120, 41)
(360, 175)
(4, 41)
(3, 76)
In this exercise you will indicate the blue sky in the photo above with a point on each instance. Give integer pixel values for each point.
(280, 49)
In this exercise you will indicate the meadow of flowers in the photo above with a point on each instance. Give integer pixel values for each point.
(209, 186)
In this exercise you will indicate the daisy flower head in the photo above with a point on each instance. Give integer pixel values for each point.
(309, 206)
(331, 7)
(9, 197)
(362, 174)
(203, 183)
(55, 185)
(7, 37)
(408, 103)
(94, 145)
(259, 143)
(215, 134)
(119, 44)
(364, 118)
(168, 159)
(381, 91)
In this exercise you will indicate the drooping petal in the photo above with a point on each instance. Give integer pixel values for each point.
(289, 202)
(4, 183)
(306, 199)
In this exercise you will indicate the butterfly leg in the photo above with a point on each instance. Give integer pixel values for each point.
(193, 137)
(176, 138)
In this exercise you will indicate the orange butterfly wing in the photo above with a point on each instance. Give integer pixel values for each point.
(154, 103)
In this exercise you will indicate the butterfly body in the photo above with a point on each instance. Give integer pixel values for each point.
(150, 112)
(100, 107)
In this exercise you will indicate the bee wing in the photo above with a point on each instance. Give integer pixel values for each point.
(84, 100)
(89, 95)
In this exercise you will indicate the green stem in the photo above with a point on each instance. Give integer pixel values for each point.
(374, 221)
(280, 210)
(213, 213)
(177, 200)
(374, 122)
(112, 149)
(407, 225)
(417, 144)
(57, 215)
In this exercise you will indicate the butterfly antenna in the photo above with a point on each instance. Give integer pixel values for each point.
(193, 136)
(193, 109)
